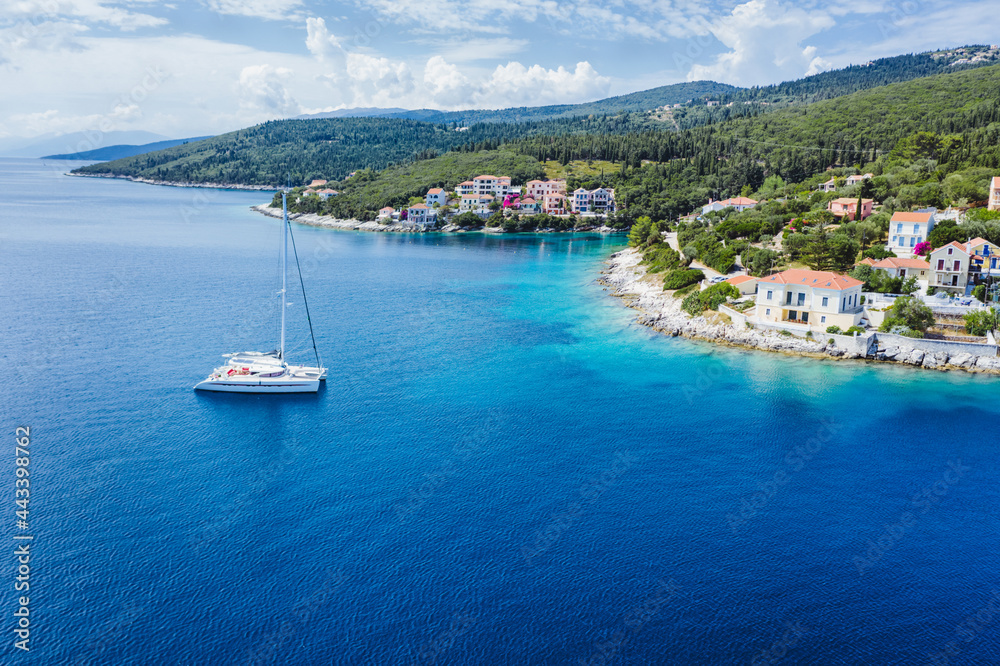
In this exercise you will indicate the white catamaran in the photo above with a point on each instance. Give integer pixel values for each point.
(268, 372)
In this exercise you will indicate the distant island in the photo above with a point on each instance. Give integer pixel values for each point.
(124, 150)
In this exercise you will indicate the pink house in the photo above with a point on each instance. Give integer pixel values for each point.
(849, 207)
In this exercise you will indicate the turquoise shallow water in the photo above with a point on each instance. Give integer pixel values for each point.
(502, 468)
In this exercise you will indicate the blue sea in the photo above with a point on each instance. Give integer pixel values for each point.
(503, 468)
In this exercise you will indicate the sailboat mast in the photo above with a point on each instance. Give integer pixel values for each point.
(284, 262)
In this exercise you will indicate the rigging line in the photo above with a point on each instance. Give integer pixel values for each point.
(305, 301)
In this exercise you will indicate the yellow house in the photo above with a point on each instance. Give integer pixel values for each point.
(816, 299)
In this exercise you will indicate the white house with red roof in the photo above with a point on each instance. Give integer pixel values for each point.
(464, 188)
(536, 189)
(950, 267)
(906, 268)
(854, 180)
(497, 186)
(993, 203)
(599, 201)
(907, 230)
(476, 203)
(828, 186)
(386, 213)
(739, 203)
(326, 193)
(420, 215)
(436, 195)
(816, 299)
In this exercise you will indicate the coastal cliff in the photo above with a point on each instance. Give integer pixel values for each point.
(626, 277)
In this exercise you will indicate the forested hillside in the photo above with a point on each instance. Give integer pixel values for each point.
(942, 125)
(300, 150)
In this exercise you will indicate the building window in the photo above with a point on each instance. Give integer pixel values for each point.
(913, 241)
(802, 299)
(769, 295)
(822, 319)
(788, 298)
(793, 315)
(916, 228)
(899, 228)
(826, 301)
(767, 311)
(940, 264)
(949, 250)
(805, 317)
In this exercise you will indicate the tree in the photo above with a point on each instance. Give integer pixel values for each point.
(908, 312)
(640, 232)
(979, 322)
(945, 232)
(878, 252)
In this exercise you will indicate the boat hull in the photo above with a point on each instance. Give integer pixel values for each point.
(248, 385)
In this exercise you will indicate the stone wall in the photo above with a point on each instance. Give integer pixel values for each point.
(934, 346)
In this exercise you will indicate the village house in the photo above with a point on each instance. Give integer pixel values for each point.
(420, 215)
(828, 186)
(476, 203)
(536, 189)
(436, 195)
(326, 193)
(854, 180)
(950, 267)
(554, 204)
(845, 206)
(601, 200)
(906, 268)
(385, 213)
(816, 299)
(747, 284)
(497, 186)
(907, 230)
(993, 203)
(984, 261)
(739, 203)
(465, 188)
(529, 205)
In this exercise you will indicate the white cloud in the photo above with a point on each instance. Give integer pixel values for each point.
(765, 38)
(445, 84)
(319, 41)
(271, 10)
(262, 88)
(514, 84)
(655, 20)
(88, 11)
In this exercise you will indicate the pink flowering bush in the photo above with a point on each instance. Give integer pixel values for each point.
(922, 249)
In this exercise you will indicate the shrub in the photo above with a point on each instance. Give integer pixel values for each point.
(931, 290)
(854, 329)
(678, 279)
(709, 299)
(979, 322)
(979, 292)
(877, 252)
(785, 333)
(833, 329)
(906, 331)
(831, 341)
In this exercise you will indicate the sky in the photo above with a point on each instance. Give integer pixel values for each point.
(186, 68)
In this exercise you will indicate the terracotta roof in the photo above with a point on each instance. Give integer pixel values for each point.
(818, 279)
(955, 244)
(867, 261)
(911, 217)
(898, 262)
(978, 241)
(737, 201)
(467, 182)
(740, 279)
(435, 190)
(422, 206)
(527, 200)
(485, 177)
(996, 182)
(851, 200)
(387, 208)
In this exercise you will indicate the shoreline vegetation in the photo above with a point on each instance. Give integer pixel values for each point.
(327, 222)
(628, 280)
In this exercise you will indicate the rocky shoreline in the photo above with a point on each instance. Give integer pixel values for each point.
(627, 279)
(150, 181)
(314, 220)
